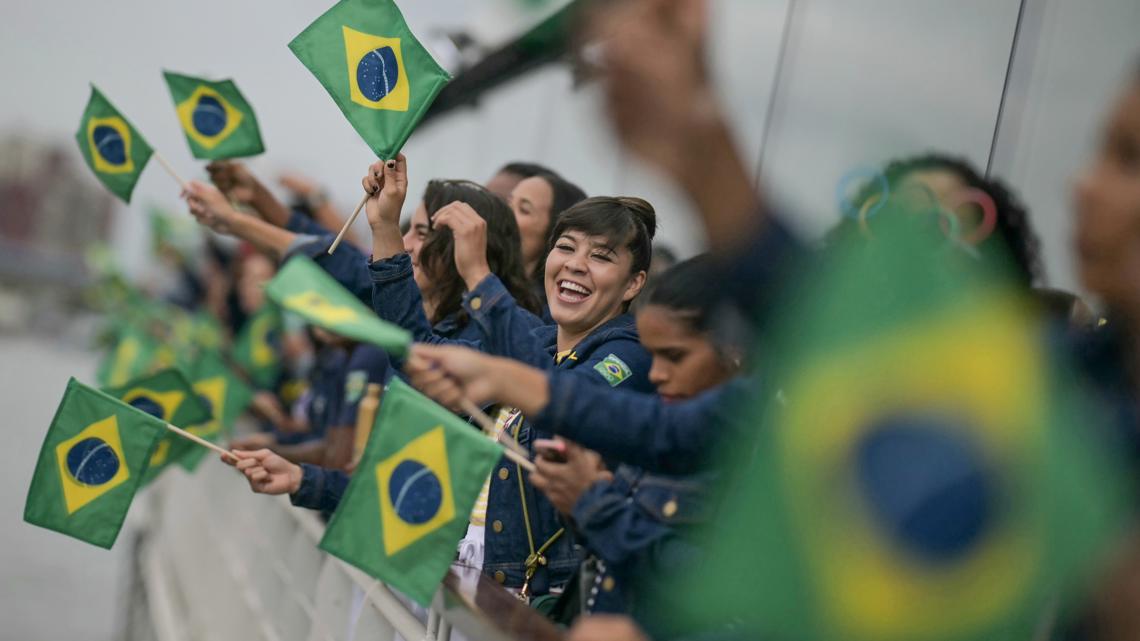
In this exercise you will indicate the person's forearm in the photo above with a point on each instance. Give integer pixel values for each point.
(722, 189)
(386, 241)
(312, 452)
(520, 385)
(270, 209)
(262, 235)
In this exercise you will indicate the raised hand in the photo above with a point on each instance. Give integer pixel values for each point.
(387, 182)
(234, 180)
(267, 472)
(449, 375)
(470, 233)
(210, 207)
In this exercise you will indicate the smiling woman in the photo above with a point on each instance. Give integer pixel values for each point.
(597, 263)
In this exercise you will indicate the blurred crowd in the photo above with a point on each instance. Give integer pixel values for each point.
(648, 388)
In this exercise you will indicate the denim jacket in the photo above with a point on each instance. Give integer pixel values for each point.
(347, 265)
(638, 525)
(396, 298)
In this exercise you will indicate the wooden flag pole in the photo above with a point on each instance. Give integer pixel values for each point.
(513, 450)
(169, 169)
(348, 223)
(201, 441)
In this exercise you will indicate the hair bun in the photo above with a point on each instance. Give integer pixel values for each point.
(643, 211)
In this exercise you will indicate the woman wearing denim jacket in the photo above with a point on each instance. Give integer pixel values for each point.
(595, 267)
(634, 523)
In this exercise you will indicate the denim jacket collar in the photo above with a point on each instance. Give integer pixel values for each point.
(621, 326)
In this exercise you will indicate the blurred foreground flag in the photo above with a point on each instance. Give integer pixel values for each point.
(256, 346)
(933, 471)
(216, 118)
(113, 149)
(376, 71)
(410, 500)
(302, 287)
(92, 461)
(168, 396)
(226, 396)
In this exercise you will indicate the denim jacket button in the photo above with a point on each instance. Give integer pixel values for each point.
(608, 584)
(670, 508)
(497, 525)
(476, 303)
(500, 576)
(504, 474)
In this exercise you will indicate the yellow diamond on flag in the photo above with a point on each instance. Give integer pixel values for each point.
(415, 491)
(91, 463)
(320, 308)
(207, 117)
(160, 405)
(160, 453)
(110, 142)
(377, 78)
(213, 392)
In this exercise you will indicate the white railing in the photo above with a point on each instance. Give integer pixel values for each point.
(218, 562)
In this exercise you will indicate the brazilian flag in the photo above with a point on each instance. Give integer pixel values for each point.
(257, 346)
(134, 354)
(930, 472)
(168, 396)
(303, 288)
(91, 464)
(411, 496)
(112, 147)
(226, 396)
(380, 76)
(217, 120)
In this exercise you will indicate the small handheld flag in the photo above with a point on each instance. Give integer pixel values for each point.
(410, 498)
(168, 396)
(302, 287)
(226, 396)
(256, 350)
(215, 116)
(380, 76)
(91, 464)
(112, 147)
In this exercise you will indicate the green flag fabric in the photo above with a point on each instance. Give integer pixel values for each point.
(91, 464)
(112, 147)
(227, 397)
(166, 395)
(132, 355)
(215, 116)
(302, 287)
(380, 76)
(410, 499)
(925, 473)
(256, 347)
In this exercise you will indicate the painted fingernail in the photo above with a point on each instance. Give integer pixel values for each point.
(391, 164)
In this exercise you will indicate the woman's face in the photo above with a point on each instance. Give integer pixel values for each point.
(587, 281)
(413, 240)
(1107, 205)
(685, 362)
(256, 270)
(531, 200)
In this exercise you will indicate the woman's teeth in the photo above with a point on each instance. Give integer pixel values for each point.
(572, 292)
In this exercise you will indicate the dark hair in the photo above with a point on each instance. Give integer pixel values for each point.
(684, 290)
(563, 195)
(524, 169)
(622, 221)
(504, 252)
(1013, 226)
